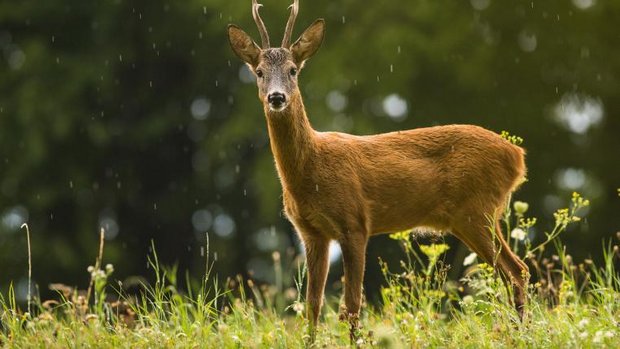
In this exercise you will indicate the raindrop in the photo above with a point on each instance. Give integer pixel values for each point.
(578, 113)
(343, 20)
(584, 4)
(21, 289)
(336, 101)
(16, 59)
(571, 178)
(334, 252)
(109, 226)
(391, 68)
(224, 226)
(14, 217)
(395, 107)
(108, 222)
(527, 41)
(266, 239)
(200, 108)
(202, 220)
(480, 4)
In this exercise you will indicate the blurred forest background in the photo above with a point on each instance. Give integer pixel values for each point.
(137, 117)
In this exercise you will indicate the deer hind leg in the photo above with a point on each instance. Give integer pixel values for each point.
(514, 270)
(317, 263)
(354, 258)
(494, 250)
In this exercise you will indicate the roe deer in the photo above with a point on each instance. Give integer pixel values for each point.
(343, 187)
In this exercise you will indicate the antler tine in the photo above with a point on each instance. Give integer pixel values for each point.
(286, 41)
(259, 23)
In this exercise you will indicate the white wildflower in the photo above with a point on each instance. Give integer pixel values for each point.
(583, 323)
(468, 300)
(470, 259)
(609, 334)
(298, 307)
(518, 234)
(109, 268)
(90, 269)
(598, 337)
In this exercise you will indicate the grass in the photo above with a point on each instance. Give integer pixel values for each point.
(569, 305)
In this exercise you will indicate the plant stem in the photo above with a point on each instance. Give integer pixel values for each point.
(29, 265)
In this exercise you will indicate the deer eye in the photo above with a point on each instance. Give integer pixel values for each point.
(259, 73)
(293, 71)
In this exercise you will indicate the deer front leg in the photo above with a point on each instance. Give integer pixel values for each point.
(354, 258)
(317, 263)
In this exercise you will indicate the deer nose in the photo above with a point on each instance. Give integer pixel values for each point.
(276, 99)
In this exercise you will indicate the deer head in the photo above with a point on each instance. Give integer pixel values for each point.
(276, 69)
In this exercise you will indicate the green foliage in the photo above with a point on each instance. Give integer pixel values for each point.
(420, 308)
(516, 140)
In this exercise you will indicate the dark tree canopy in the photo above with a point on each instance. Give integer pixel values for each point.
(137, 117)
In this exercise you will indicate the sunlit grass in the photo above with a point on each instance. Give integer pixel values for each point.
(570, 305)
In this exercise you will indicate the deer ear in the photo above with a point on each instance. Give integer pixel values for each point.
(309, 42)
(243, 46)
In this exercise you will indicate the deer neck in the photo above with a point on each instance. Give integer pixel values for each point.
(292, 141)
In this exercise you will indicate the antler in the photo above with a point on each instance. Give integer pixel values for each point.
(286, 41)
(259, 23)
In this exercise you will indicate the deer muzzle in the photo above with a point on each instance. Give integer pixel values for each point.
(277, 101)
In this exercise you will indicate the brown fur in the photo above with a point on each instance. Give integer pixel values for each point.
(343, 187)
